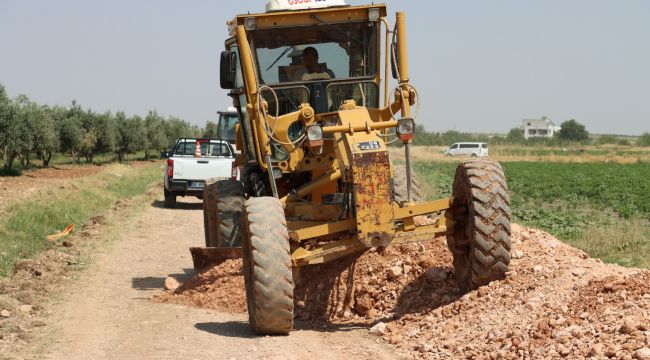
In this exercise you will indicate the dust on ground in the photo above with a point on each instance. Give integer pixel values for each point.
(556, 302)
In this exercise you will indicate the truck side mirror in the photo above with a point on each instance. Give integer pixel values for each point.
(164, 154)
(228, 69)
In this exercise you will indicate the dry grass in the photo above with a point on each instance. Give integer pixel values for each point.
(626, 242)
(27, 223)
(591, 154)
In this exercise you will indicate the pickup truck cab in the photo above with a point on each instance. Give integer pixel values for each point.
(189, 165)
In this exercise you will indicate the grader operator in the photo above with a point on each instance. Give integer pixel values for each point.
(317, 181)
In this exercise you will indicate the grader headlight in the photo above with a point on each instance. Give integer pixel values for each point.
(405, 129)
(315, 135)
(250, 23)
(373, 14)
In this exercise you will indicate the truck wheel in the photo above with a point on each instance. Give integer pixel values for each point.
(228, 198)
(480, 239)
(170, 199)
(267, 266)
(399, 185)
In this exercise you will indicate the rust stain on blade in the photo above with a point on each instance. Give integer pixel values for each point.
(373, 197)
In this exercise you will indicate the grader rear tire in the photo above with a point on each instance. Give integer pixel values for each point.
(399, 185)
(230, 197)
(267, 266)
(480, 240)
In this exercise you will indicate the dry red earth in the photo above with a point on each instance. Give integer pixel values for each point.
(556, 301)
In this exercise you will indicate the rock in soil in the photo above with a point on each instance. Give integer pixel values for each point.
(171, 284)
(642, 354)
(378, 329)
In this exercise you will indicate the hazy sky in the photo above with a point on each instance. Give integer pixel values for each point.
(480, 66)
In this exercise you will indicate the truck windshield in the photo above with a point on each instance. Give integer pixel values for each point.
(318, 52)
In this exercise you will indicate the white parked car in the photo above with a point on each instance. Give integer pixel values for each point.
(188, 167)
(473, 149)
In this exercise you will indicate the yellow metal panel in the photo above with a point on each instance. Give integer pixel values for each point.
(305, 17)
(422, 208)
(325, 253)
(367, 155)
(422, 233)
(304, 230)
(307, 211)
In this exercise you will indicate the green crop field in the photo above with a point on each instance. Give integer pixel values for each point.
(602, 208)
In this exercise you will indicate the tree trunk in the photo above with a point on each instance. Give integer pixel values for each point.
(9, 160)
(74, 156)
(47, 155)
(146, 154)
(120, 156)
(28, 164)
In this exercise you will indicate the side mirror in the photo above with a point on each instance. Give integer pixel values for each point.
(393, 60)
(228, 69)
(164, 154)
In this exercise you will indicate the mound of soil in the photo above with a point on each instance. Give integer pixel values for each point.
(377, 283)
(218, 288)
(555, 302)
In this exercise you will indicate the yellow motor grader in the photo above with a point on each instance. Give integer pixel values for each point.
(316, 180)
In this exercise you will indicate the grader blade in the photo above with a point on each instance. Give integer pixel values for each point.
(206, 257)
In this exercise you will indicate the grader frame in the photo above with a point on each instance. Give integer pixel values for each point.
(350, 161)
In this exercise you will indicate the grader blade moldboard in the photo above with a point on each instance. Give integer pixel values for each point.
(206, 257)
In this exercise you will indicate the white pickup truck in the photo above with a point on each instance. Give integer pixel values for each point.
(187, 168)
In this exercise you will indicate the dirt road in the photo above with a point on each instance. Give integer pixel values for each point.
(109, 315)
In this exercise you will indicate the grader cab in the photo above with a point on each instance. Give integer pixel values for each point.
(317, 182)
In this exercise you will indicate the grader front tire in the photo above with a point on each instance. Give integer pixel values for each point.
(267, 266)
(480, 241)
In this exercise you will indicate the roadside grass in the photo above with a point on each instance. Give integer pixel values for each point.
(601, 208)
(59, 159)
(98, 159)
(24, 229)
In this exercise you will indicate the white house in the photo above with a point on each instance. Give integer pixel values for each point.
(543, 127)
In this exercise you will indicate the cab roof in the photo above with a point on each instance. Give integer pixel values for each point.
(303, 17)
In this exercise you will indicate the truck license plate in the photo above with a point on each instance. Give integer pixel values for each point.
(195, 184)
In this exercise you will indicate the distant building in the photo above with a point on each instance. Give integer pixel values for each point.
(543, 127)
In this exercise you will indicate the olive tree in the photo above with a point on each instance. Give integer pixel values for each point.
(155, 128)
(44, 134)
(131, 135)
(210, 131)
(9, 129)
